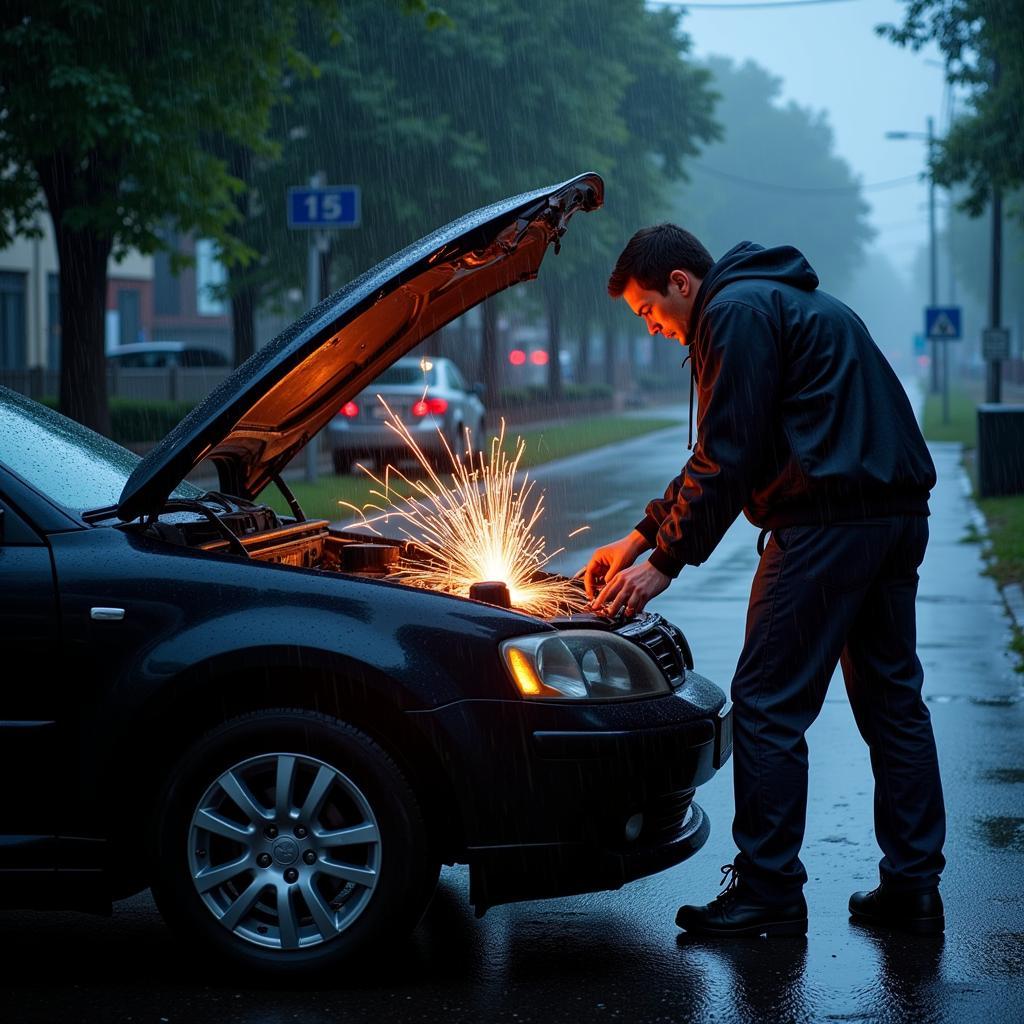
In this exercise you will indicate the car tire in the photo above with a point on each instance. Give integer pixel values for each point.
(327, 836)
(342, 463)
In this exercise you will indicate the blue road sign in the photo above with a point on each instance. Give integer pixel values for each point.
(333, 206)
(942, 323)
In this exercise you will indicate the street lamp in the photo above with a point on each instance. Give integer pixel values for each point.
(933, 298)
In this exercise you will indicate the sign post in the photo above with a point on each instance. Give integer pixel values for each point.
(942, 324)
(995, 343)
(320, 207)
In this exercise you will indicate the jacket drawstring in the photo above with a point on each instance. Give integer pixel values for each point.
(689, 446)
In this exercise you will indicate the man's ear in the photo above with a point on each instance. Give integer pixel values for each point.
(681, 280)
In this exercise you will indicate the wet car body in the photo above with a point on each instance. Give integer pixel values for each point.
(196, 641)
(431, 398)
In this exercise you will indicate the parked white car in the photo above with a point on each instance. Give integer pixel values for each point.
(429, 395)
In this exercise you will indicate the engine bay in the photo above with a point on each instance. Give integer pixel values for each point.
(221, 523)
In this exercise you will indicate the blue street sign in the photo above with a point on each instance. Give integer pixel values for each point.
(333, 206)
(942, 323)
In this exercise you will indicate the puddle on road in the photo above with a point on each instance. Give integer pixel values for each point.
(1010, 775)
(998, 700)
(1003, 954)
(1002, 832)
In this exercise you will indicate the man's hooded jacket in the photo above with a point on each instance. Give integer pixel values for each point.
(801, 420)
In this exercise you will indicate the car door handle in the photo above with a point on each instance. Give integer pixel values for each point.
(106, 614)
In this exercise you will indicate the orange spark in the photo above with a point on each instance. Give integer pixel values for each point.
(479, 527)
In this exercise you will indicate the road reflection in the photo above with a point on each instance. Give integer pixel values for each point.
(760, 980)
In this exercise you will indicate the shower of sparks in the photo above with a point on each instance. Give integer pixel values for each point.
(479, 527)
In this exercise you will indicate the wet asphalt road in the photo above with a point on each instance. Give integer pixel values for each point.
(618, 956)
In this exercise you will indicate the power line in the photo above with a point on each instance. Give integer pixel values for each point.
(809, 189)
(745, 6)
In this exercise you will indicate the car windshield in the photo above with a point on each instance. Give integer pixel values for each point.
(408, 373)
(72, 465)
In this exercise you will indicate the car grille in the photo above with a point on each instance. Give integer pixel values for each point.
(665, 816)
(664, 643)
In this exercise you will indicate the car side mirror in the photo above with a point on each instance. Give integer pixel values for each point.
(479, 390)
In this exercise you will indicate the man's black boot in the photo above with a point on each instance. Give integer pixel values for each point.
(736, 911)
(917, 912)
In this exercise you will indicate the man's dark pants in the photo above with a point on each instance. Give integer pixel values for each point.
(843, 592)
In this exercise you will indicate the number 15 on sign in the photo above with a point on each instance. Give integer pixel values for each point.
(331, 206)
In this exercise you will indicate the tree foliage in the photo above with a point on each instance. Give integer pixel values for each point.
(121, 96)
(983, 45)
(774, 178)
(503, 99)
(106, 110)
(123, 118)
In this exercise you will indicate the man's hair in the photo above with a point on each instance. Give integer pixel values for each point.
(653, 253)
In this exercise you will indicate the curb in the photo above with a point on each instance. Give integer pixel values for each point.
(1013, 595)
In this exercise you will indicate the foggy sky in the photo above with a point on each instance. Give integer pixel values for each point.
(829, 58)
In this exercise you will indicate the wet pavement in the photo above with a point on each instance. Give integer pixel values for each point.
(618, 955)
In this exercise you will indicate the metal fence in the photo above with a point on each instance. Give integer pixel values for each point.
(172, 383)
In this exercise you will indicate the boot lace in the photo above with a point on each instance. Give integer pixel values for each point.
(730, 878)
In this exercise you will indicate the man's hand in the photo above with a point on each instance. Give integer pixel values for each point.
(631, 589)
(607, 561)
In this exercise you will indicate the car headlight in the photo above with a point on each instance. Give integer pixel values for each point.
(586, 664)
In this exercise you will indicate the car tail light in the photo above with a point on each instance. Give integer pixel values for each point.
(349, 409)
(431, 406)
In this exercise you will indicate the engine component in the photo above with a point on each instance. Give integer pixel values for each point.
(369, 559)
(491, 592)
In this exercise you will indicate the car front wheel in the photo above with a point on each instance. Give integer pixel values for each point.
(287, 841)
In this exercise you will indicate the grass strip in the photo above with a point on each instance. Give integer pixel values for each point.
(543, 444)
(963, 419)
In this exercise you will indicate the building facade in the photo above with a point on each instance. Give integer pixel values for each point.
(146, 301)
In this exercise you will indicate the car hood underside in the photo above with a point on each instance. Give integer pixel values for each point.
(258, 419)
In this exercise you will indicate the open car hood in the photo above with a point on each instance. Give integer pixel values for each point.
(261, 416)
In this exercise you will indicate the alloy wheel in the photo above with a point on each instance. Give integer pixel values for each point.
(284, 851)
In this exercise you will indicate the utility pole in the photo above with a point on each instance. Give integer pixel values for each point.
(933, 258)
(933, 265)
(994, 376)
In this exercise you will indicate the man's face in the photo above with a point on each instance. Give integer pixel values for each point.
(666, 314)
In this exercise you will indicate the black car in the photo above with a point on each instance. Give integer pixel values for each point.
(244, 712)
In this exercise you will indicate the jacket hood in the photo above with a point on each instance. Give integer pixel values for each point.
(748, 260)
(263, 415)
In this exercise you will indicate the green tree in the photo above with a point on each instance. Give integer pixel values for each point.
(983, 45)
(350, 118)
(774, 178)
(504, 116)
(969, 243)
(105, 107)
(431, 124)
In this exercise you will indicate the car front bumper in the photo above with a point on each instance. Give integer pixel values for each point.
(562, 798)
